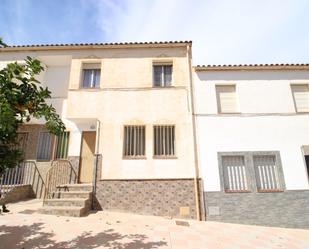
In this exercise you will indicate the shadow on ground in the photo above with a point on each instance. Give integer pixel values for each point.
(32, 236)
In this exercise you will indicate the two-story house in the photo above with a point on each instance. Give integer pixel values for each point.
(127, 111)
(253, 137)
(153, 135)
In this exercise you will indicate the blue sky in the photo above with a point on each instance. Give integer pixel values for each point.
(222, 31)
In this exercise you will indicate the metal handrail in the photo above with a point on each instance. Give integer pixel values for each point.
(61, 172)
(26, 173)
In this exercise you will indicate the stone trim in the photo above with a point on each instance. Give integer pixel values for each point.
(250, 170)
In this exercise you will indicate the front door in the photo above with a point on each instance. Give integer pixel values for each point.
(87, 156)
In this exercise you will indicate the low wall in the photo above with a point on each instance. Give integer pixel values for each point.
(283, 209)
(18, 193)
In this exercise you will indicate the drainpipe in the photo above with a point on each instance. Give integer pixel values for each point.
(198, 197)
(96, 161)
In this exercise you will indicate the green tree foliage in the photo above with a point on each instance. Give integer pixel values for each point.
(22, 98)
(2, 44)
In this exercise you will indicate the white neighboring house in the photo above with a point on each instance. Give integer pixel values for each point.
(252, 127)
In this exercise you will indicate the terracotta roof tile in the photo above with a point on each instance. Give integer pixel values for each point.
(277, 66)
(99, 44)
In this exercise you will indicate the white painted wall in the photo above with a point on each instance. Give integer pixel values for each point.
(267, 122)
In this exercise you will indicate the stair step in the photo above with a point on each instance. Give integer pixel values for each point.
(68, 202)
(72, 194)
(64, 211)
(77, 187)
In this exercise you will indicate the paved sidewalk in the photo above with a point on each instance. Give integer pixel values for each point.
(24, 228)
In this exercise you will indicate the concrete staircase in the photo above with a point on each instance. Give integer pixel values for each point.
(71, 200)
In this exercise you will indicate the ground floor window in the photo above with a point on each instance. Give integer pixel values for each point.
(259, 171)
(134, 141)
(234, 171)
(266, 172)
(164, 140)
(305, 150)
(62, 145)
(45, 146)
(50, 146)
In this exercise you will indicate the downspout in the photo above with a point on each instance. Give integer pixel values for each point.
(198, 197)
(95, 168)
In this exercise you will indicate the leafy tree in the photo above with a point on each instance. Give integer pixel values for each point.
(2, 44)
(22, 98)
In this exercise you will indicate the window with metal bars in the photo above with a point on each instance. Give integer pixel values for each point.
(234, 172)
(134, 141)
(62, 145)
(164, 140)
(45, 146)
(266, 172)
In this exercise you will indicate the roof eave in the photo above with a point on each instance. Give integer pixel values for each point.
(252, 67)
(96, 46)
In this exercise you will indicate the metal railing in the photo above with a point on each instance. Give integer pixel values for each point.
(26, 173)
(61, 172)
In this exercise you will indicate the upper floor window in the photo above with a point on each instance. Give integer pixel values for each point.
(226, 99)
(301, 97)
(162, 75)
(91, 75)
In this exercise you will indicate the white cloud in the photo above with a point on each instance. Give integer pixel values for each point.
(223, 31)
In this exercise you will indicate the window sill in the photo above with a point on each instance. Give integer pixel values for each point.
(162, 87)
(237, 191)
(270, 190)
(164, 157)
(304, 112)
(134, 158)
(89, 88)
(228, 113)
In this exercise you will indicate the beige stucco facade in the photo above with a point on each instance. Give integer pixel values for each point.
(126, 96)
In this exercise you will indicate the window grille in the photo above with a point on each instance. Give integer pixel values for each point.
(164, 140)
(62, 146)
(134, 141)
(266, 172)
(45, 147)
(234, 171)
